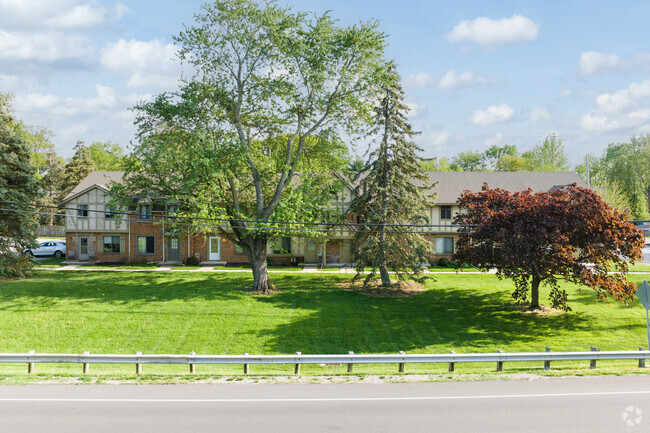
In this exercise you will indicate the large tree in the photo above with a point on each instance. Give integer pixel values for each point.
(628, 165)
(18, 190)
(391, 192)
(106, 156)
(534, 238)
(550, 155)
(76, 169)
(254, 135)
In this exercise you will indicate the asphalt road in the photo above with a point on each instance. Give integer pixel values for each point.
(539, 405)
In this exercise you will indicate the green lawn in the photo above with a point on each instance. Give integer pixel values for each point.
(640, 267)
(121, 265)
(52, 262)
(210, 313)
(270, 268)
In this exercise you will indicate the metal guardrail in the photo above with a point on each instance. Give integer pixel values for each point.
(350, 359)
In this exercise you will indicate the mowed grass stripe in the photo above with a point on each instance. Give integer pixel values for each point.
(211, 313)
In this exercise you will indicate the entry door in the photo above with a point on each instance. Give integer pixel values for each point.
(173, 249)
(214, 249)
(83, 248)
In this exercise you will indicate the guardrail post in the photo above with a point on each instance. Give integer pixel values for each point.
(499, 363)
(592, 363)
(452, 365)
(30, 365)
(297, 369)
(401, 364)
(547, 364)
(641, 360)
(192, 365)
(138, 366)
(86, 367)
(350, 365)
(245, 365)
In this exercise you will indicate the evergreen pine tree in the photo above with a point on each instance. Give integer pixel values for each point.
(18, 184)
(79, 166)
(391, 190)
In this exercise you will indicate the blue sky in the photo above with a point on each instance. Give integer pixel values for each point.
(475, 73)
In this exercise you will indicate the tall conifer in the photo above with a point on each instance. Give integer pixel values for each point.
(391, 193)
(18, 188)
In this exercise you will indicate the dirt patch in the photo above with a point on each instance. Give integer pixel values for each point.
(400, 289)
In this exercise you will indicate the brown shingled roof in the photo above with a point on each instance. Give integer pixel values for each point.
(95, 178)
(453, 183)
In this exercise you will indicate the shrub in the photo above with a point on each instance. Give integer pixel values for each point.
(443, 262)
(192, 261)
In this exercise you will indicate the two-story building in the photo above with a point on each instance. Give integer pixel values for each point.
(95, 232)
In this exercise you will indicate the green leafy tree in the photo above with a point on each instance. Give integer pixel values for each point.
(77, 168)
(437, 164)
(254, 136)
(391, 191)
(18, 184)
(627, 164)
(106, 156)
(511, 163)
(550, 155)
(538, 238)
(469, 161)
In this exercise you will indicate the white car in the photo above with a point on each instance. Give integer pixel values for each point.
(49, 248)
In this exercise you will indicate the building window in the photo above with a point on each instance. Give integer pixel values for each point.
(109, 213)
(172, 210)
(282, 246)
(111, 244)
(82, 211)
(445, 212)
(144, 212)
(444, 245)
(145, 245)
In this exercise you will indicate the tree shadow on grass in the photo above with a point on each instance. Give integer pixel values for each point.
(442, 318)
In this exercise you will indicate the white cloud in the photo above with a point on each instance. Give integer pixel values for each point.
(494, 114)
(453, 80)
(417, 109)
(420, 80)
(57, 13)
(494, 141)
(433, 139)
(592, 62)
(488, 32)
(145, 63)
(44, 47)
(625, 109)
(539, 115)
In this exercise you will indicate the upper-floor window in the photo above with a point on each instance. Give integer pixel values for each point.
(445, 212)
(144, 211)
(282, 246)
(110, 212)
(82, 211)
(172, 210)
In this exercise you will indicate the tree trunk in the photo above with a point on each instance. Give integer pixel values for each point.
(383, 268)
(534, 293)
(257, 258)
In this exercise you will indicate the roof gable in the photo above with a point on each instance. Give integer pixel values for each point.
(101, 179)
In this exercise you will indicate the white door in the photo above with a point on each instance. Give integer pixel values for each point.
(214, 249)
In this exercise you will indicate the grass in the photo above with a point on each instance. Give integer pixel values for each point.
(248, 268)
(640, 267)
(121, 265)
(52, 262)
(211, 313)
(185, 268)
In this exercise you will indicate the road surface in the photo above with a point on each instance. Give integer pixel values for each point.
(595, 404)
